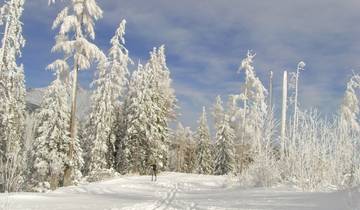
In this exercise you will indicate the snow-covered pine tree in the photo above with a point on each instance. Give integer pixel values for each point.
(204, 159)
(224, 148)
(110, 85)
(12, 94)
(76, 26)
(52, 135)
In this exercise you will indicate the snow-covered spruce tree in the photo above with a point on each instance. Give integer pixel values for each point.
(224, 145)
(134, 149)
(52, 135)
(12, 94)
(149, 107)
(204, 159)
(76, 26)
(109, 89)
(224, 148)
(163, 97)
(119, 61)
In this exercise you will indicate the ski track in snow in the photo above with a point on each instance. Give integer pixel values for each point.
(175, 191)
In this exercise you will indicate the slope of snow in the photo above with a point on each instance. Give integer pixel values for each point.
(34, 95)
(177, 191)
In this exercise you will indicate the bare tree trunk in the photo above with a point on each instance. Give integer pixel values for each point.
(283, 114)
(54, 181)
(244, 119)
(69, 168)
(5, 34)
(3, 153)
(295, 120)
(270, 90)
(243, 132)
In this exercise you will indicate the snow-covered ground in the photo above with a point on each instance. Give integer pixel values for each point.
(177, 191)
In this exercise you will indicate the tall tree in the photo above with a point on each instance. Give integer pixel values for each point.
(163, 97)
(52, 135)
(136, 148)
(149, 107)
(12, 93)
(271, 78)
(106, 100)
(204, 160)
(76, 26)
(295, 78)
(283, 115)
(255, 108)
(128, 137)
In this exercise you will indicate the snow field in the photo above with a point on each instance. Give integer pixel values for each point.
(178, 191)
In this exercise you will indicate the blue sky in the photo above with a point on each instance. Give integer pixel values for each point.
(206, 40)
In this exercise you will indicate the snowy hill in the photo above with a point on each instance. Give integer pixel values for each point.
(177, 191)
(34, 98)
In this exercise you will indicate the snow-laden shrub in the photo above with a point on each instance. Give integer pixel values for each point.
(42, 187)
(261, 173)
(101, 174)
